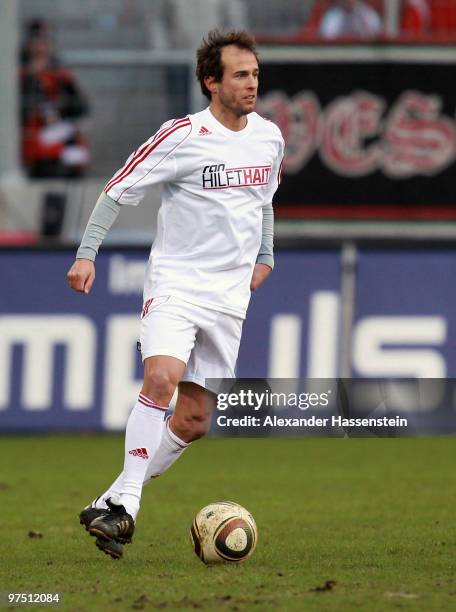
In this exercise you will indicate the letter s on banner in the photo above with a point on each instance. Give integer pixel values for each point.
(371, 359)
(419, 139)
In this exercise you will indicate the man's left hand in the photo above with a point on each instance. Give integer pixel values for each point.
(260, 274)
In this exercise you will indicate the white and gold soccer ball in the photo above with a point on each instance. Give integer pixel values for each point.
(224, 531)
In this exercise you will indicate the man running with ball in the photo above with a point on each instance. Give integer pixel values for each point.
(219, 169)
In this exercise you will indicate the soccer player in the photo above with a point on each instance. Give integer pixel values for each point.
(214, 245)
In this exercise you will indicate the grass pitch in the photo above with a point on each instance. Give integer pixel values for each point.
(364, 525)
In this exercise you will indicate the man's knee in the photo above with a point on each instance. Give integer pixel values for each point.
(158, 383)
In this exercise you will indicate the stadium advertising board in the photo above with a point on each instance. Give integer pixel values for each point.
(367, 139)
(70, 361)
(405, 315)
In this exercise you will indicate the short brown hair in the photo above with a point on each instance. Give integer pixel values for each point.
(209, 54)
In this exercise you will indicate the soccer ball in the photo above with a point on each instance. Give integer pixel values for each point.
(224, 531)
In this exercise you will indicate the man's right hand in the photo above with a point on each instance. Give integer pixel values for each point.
(81, 275)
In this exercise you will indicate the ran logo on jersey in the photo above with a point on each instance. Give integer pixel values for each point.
(218, 176)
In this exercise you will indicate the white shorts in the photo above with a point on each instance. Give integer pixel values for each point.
(207, 341)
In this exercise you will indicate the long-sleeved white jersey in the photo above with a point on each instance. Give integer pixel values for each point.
(215, 183)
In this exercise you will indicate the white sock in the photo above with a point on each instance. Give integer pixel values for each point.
(114, 490)
(170, 449)
(142, 438)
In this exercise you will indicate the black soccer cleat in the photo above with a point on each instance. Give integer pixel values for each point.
(115, 524)
(110, 547)
(87, 515)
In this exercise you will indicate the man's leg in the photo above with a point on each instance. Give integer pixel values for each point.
(191, 420)
(168, 333)
(214, 356)
(142, 438)
(145, 425)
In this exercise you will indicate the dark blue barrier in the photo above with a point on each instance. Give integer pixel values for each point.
(405, 314)
(69, 361)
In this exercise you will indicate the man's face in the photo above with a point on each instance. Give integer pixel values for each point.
(238, 88)
(40, 49)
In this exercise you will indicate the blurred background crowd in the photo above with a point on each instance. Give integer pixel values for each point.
(97, 77)
(53, 103)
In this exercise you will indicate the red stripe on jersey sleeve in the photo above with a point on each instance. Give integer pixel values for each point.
(145, 151)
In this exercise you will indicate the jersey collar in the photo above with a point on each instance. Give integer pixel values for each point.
(227, 132)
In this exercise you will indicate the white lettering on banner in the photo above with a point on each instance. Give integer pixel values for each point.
(322, 360)
(372, 358)
(121, 386)
(355, 138)
(285, 340)
(39, 335)
(285, 346)
(383, 346)
(126, 276)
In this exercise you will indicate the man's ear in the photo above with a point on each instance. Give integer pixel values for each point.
(211, 84)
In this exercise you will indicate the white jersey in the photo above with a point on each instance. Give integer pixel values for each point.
(215, 183)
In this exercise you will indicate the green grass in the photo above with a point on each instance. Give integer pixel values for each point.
(377, 516)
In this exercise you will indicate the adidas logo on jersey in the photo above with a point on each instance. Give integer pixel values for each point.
(204, 131)
(139, 452)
